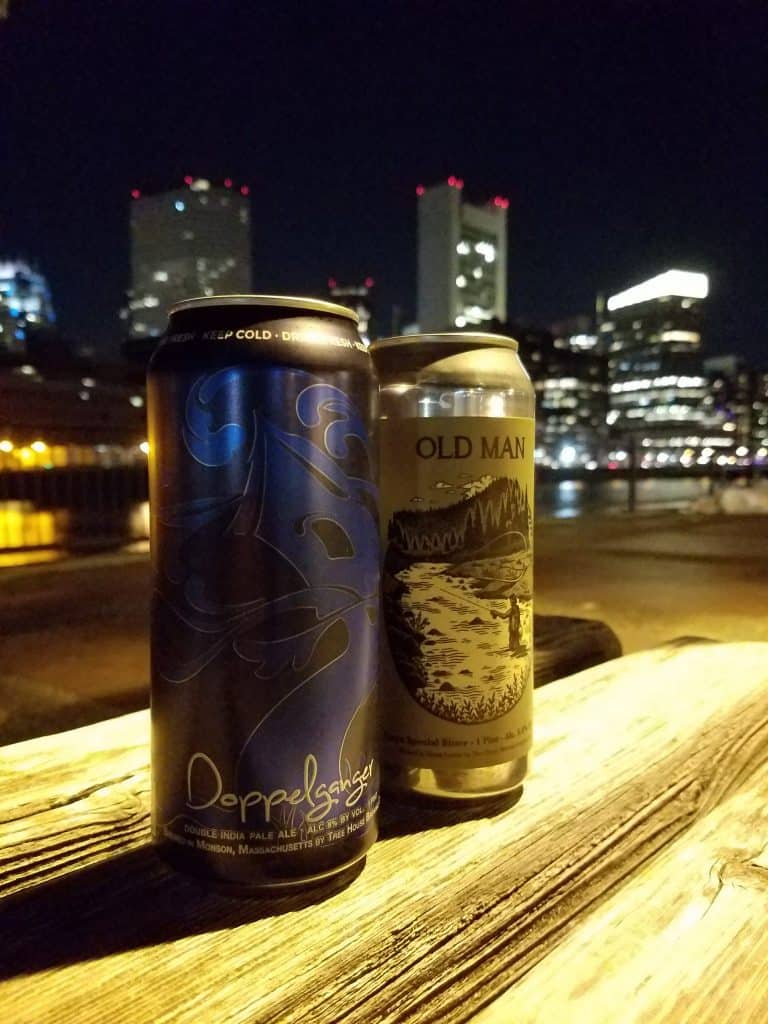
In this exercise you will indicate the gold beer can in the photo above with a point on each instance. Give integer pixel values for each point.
(456, 444)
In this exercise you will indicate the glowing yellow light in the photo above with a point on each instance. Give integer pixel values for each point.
(693, 336)
(26, 455)
(144, 446)
(39, 446)
(672, 282)
(6, 446)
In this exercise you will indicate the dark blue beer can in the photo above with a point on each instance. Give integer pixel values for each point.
(265, 603)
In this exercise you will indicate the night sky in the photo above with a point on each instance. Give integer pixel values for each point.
(629, 136)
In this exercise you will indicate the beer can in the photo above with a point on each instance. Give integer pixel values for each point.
(456, 438)
(264, 634)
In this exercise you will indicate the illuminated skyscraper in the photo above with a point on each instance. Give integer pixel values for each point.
(189, 241)
(659, 393)
(462, 269)
(25, 301)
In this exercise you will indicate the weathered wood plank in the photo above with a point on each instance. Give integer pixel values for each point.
(683, 941)
(441, 921)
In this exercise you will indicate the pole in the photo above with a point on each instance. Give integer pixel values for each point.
(632, 479)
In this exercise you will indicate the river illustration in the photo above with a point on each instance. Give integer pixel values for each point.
(473, 660)
(457, 597)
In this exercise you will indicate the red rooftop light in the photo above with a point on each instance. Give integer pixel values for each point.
(331, 282)
(501, 202)
(227, 183)
(244, 190)
(135, 194)
(188, 179)
(420, 190)
(369, 282)
(459, 183)
(452, 181)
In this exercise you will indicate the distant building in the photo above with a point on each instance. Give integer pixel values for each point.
(732, 385)
(741, 395)
(659, 394)
(759, 440)
(70, 416)
(577, 333)
(357, 297)
(462, 258)
(25, 304)
(571, 408)
(189, 241)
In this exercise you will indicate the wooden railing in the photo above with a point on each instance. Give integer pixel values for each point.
(629, 884)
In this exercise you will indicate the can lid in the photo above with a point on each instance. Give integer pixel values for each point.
(289, 301)
(457, 338)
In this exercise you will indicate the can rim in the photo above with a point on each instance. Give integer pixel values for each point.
(289, 301)
(449, 337)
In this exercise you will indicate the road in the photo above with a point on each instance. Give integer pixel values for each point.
(73, 634)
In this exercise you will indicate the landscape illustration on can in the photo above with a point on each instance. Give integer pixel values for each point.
(458, 601)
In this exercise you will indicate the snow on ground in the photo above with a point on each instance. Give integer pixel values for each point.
(734, 499)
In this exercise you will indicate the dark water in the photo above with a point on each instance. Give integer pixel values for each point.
(31, 533)
(564, 499)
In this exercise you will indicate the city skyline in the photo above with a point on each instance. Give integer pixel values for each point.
(626, 138)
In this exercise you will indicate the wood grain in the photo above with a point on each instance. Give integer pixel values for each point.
(447, 914)
(685, 940)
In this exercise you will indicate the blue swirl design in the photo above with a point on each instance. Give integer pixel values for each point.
(267, 594)
(208, 444)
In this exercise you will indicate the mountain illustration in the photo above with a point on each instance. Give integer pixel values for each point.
(490, 521)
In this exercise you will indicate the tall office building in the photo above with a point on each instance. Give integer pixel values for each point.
(659, 393)
(462, 268)
(25, 302)
(357, 297)
(188, 241)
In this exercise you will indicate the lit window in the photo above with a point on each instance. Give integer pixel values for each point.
(486, 250)
(692, 336)
(180, 206)
(461, 281)
(463, 248)
(161, 275)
